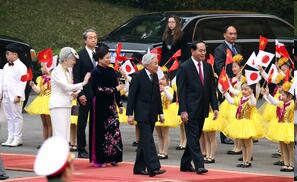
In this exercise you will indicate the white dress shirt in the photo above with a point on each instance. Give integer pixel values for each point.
(90, 52)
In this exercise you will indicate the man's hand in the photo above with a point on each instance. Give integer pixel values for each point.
(131, 120)
(161, 118)
(82, 100)
(184, 117)
(215, 114)
(17, 99)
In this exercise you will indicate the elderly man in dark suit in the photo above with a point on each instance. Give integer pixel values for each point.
(144, 101)
(230, 36)
(85, 64)
(196, 92)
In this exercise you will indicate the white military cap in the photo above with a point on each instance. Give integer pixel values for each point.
(52, 158)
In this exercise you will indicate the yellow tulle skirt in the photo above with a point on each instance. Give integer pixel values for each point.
(268, 113)
(213, 125)
(40, 105)
(280, 132)
(226, 113)
(171, 117)
(245, 128)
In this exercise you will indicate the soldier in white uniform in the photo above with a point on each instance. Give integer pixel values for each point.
(54, 160)
(13, 94)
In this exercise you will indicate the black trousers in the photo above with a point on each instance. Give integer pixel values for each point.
(146, 156)
(83, 116)
(193, 152)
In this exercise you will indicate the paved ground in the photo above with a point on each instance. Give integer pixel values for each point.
(32, 137)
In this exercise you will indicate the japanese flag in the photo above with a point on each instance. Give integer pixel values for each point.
(252, 61)
(272, 74)
(252, 77)
(278, 45)
(127, 67)
(264, 58)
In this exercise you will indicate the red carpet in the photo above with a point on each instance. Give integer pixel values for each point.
(85, 172)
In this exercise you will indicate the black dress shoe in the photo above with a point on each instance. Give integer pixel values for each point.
(201, 171)
(187, 169)
(3, 177)
(239, 165)
(209, 161)
(84, 155)
(156, 172)
(140, 172)
(135, 144)
(231, 152)
(241, 159)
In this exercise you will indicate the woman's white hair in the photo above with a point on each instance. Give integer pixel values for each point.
(147, 58)
(66, 53)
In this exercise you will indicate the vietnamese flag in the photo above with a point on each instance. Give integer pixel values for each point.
(229, 58)
(174, 66)
(262, 42)
(46, 56)
(223, 80)
(211, 59)
(28, 76)
(176, 54)
(118, 57)
(270, 76)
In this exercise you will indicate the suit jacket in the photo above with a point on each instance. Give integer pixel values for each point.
(220, 58)
(144, 99)
(12, 80)
(61, 89)
(80, 69)
(194, 98)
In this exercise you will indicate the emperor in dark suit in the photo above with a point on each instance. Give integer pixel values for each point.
(85, 64)
(144, 101)
(196, 92)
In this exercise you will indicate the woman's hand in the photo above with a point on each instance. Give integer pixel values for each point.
(86, 79)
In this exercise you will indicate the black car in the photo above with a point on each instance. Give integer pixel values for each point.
(145, 31)
(28, 53)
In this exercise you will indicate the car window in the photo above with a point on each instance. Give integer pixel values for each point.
(145, 29)
(280, 29)
(213, 28)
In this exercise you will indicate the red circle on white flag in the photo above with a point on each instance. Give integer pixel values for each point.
(254, 76)
(265, 59)
(128, 68)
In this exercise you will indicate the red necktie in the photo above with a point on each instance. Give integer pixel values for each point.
(200, 73)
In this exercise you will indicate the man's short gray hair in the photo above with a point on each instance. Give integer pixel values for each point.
(87, 31)
(147, 58)
(67, 53)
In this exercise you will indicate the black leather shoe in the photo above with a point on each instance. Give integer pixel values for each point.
(239, 165)
(135, 144)
(188, 169)
(228, 141)
(140, 172)
(201, 171)
(241, 159)
(3, 177)
(84, 155)
(156, 172)
(231, 152)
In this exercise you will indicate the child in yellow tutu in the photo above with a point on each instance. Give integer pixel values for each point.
(225, 107)
(245, 125)
(281, 129)
(40, 105)
(171, 118)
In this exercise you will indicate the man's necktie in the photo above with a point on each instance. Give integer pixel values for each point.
(234, 51)
(93, 60)
(200, 73)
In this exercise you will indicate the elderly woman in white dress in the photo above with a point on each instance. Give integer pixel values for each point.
(63, 91)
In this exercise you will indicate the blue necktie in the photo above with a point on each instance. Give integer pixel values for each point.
(233, 50)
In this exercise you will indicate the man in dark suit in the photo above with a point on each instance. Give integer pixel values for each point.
(230, 36)
(144, 101)
(86, 63)
(196, 92)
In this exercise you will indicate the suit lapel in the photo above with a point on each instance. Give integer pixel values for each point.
(89, 61)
